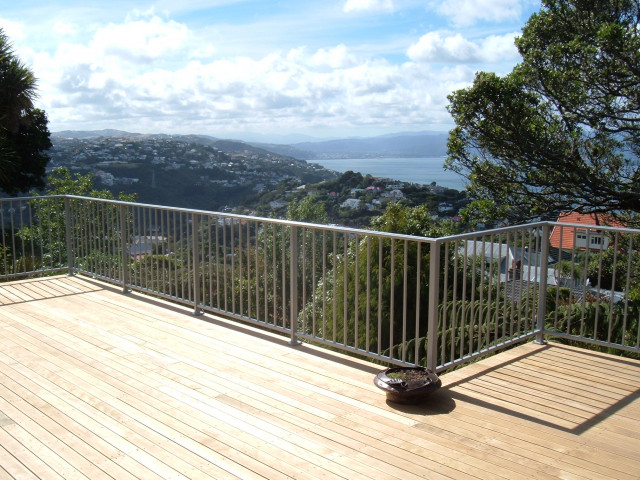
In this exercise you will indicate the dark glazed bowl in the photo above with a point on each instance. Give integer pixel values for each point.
(407, 385)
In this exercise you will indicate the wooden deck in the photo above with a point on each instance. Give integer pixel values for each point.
(97, 384)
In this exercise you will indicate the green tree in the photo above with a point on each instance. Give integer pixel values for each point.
(366, 293)
(562, 130)
(612, 269)
(24, 136)
(309, 209)
(92, 225)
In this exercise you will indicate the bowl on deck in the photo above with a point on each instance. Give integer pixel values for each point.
(409, 385)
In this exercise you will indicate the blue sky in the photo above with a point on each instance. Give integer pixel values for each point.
(260, 70)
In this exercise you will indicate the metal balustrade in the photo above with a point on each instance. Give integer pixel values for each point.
(399, 299)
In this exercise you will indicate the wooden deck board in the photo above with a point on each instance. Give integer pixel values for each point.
(99, 384)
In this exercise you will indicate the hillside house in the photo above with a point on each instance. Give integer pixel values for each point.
(445, 207)
(352, 203)
(276, 204)
(394, 195)
(581, 237)
(512, 262)
(143, 245)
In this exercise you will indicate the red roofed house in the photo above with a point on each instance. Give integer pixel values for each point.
(581, 238)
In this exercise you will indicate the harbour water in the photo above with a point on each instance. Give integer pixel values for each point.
(423, 170)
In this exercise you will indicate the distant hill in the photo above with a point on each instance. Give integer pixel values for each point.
(94, 133)
(418, 144)
(202, 172)
(407, 144)
(181, 170)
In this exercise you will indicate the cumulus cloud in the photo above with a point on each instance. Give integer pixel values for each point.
(141, 39)
(324, 58)
(64, 28)
(468, 12)
(448, 47)
(152, 74)
(14, 30)
(368, 6)
(298, 89)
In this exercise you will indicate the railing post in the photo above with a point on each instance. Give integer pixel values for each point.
(195, 247)
(434, 300)
(124, 248)
(67, 224)
(542, 293)
(293, 292)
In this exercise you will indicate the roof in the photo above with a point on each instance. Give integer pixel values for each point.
(563, 238)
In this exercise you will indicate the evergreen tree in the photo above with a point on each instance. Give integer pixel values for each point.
(24, 136)
(562, 130)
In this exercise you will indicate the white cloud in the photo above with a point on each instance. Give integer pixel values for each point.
(13, 30)
(435, 47)
(368, 6)
(296, 90)
(149, 73)
(64, 28)
(449, 47)
(500, 48)
(203, 52)
(468, 12)
(324, 58)
(141, 39)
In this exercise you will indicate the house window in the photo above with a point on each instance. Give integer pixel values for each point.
(592, 239)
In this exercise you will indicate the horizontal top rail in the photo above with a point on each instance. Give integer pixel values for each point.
(339, 228)
(290, 223)
(580, 226)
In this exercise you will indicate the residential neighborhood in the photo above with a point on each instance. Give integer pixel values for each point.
(204, 173)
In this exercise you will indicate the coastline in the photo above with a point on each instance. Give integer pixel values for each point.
(421, 170)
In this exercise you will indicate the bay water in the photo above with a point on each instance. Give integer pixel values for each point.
(422, 170)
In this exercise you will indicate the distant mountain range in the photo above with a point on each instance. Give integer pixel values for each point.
(413, 144)
(419, 144)
(94, 133)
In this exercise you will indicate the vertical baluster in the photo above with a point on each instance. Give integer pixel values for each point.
(240, 275)
(416, 334)
(542, 298)
(70, 255)
(124, 248)
(196, 264)
(368, 307)
(324, 284)
(405, 298)
(5, 266)
(434, 295)
(380, 286)
(293, 293)
(248, 252)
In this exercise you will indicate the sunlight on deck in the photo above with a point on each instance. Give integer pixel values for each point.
(99, 384)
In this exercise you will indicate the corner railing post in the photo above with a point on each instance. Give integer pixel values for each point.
(124, 247)
(195, 247)
(293, 293)
(67, 224)
(434, 300)
(542, 294)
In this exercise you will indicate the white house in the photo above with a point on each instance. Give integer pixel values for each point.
(394, 195)
(512, 261)
(351, 203)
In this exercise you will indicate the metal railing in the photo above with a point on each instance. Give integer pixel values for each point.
(394, 298)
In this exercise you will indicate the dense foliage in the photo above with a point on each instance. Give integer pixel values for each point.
(47, 232)
(562, 130)
(24, 136)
